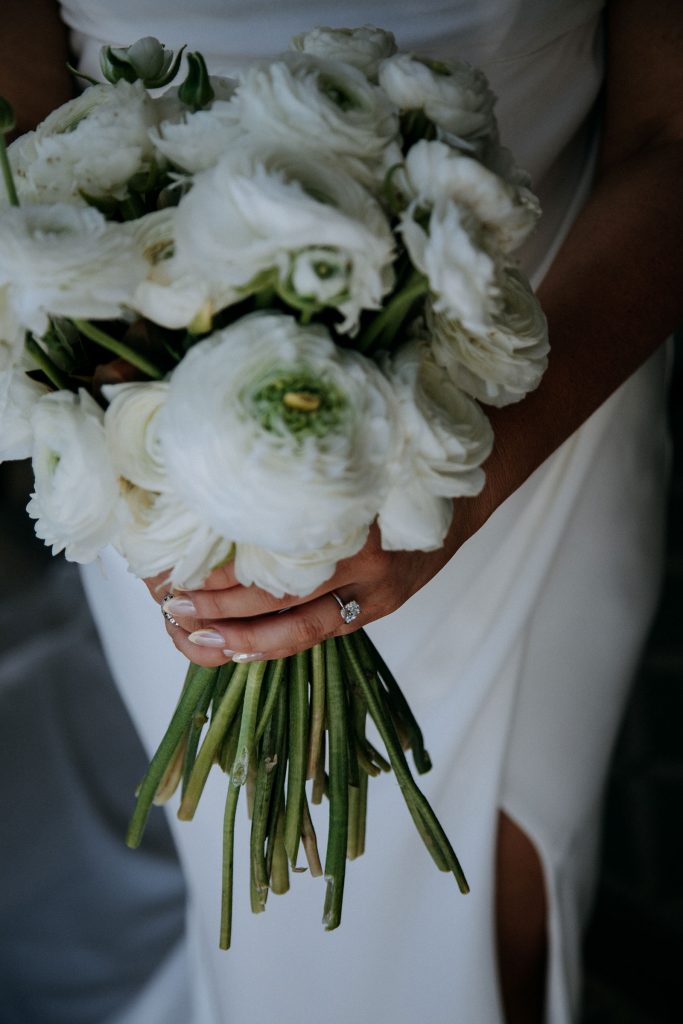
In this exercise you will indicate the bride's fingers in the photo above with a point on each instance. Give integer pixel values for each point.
(267, 636)
(203, 606)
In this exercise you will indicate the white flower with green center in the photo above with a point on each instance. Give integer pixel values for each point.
(319, 108)
(65, 260)
(278, 438)
(446, 439)
(94, 144)
(364, 48)
(18, 396)
(504, 363)
(272, 218)
(453, 95)
(76, 501)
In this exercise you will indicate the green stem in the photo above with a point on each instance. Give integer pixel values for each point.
(228, 862)
(371, 660)
(207, 752)
(335, 857)
(385, 326)
(199, 720)
(245, 742)
(317, 709)
(298, 738)
(428, 825)
(7, 172)
(265, 778)
(49, 368)
(167, 748)
(276, 673)
(119, 348)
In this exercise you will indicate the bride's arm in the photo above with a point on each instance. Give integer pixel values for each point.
(612, 296)
(33, 74)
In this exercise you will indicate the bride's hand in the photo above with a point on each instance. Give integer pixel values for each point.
(226, 621)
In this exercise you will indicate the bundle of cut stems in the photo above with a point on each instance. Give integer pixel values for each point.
(274, 725)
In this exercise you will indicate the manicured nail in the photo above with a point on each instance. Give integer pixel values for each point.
(256, 656)
(179, 606)
(207, 638)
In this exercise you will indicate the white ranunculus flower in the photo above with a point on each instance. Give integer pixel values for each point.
(504, 363)
(454, 96)
(446, 439)
(364, 48)
(93, 144)
(316, 233)
(131, 425)
(76, 501)
(279, 438)
(434, 172)
(65, 260)
(161, 534)
(194, 140)
(18, 396)
(301, 574)
(167, 295)
(449, 250)
(319, 107)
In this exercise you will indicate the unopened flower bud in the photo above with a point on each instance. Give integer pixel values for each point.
(196, 91)
(146, 60)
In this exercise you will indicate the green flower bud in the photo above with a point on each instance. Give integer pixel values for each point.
(146, 60)
(196, 91)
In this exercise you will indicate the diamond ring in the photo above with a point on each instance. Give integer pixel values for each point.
(167, 615)
(348, 611)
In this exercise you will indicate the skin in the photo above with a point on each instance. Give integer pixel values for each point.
(611, 298)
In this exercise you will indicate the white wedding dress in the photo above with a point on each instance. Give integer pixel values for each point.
(516, 658)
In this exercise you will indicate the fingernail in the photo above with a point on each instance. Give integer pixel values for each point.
(256, 656)
(179, 606)
(207, 638)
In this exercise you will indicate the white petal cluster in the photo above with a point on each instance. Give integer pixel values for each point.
(160, 533)
(194, 140)
(460, 224)
(64, 260)
(434, 172)
(315, 232)
(280, 573)
(279, 438)
(455, 96)
(319, 108)
(505, 362)
(76, 502)
(446, 437)
(18, 396)
(94, 144)
(364, 48)
(342, 199)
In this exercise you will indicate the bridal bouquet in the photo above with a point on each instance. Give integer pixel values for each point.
(247, 319)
